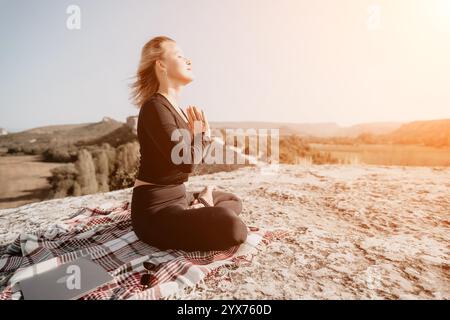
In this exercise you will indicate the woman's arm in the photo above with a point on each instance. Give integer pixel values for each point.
(159, 123)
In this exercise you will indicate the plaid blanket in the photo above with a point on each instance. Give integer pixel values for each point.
(106, 235)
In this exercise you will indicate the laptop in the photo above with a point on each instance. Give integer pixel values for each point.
(68, 281)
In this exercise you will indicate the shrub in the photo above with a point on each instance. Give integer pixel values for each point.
(291, 148)
(86, 177)
(60, 154)
(102, 169)
(62, 181)
(125, 166)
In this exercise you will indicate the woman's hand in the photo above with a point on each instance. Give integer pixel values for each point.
(196, 114)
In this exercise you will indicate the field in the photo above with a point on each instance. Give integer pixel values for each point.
(23, 180)
(381, 154)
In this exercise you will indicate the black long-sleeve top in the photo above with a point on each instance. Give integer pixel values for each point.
(156, 121)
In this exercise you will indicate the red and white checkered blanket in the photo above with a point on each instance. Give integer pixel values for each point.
(107, 236)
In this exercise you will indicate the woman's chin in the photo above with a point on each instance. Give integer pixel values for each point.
(188, 79)
(189, 75)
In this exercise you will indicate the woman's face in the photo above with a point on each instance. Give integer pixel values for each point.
(179, 68)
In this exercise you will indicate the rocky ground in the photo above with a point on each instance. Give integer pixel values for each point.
(345, 231)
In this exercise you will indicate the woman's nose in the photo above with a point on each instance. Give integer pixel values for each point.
(189, 62)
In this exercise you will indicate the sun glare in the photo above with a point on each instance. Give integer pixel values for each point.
(441, 12)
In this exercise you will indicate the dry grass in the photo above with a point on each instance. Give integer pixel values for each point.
(382, 154)
(23, 180)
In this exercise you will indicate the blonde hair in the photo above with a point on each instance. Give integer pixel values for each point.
(147, 83)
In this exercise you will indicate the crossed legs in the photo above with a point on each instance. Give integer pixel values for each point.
(205, 228)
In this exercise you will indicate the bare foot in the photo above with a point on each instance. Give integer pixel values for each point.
(206, 196)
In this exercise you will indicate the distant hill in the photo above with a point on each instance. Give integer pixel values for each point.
(431, 133)
(42, 137)
(375, 128)
(115, 138)
(434, 133)
(53, 129)
(323, 130)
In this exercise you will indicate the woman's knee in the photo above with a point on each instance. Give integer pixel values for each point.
(229, 200)
(234, 228)
(238, 205)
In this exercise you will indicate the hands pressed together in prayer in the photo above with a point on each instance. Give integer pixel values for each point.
(196, 114)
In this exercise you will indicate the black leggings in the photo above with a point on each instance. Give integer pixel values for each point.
(161, 218)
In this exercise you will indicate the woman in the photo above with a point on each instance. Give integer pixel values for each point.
(159, 205)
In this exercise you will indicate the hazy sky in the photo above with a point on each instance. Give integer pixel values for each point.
(346, 61)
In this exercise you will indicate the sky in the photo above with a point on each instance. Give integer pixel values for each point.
(347, 61)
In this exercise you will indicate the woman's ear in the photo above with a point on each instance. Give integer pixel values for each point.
(160, 65)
